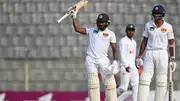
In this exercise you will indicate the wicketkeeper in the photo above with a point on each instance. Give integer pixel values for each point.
(129, 72)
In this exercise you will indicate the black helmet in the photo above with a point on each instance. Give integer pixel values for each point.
(130, 27)
(103, 18)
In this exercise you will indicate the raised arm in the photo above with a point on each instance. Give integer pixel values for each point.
(77, 28)
(76, 25)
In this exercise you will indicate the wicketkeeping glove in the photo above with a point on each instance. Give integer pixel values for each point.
(128, 69)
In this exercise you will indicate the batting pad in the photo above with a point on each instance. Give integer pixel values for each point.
(161, 86)
(93, 87)
(110, 88)
(144, 83)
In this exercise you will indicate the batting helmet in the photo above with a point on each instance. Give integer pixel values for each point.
(130, 27)
(159, 9)
(103, 18)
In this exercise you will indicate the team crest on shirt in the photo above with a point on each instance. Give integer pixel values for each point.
(163, 30)
(151, 28)
(105, 34)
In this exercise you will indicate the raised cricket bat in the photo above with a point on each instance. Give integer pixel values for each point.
(171, 83)
(79, 5)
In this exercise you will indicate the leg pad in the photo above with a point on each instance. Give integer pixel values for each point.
(161, 86)
(144, 83)
(93, 87)
(110, 88)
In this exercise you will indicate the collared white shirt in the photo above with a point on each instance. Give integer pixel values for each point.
(127, 52)
(99, 41)
(158, 37)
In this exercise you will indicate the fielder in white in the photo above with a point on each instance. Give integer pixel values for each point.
(99, 40)
(129, 72)
(158, 37)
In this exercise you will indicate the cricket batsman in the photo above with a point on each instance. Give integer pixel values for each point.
(129, 72)
(158, 37)
(99, 40)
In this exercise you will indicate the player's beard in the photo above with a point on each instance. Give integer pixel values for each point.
(101, 27)
(157, 18)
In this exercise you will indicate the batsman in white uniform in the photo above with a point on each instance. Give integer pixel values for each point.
(129, 72)
(99, 40)
(158, 38)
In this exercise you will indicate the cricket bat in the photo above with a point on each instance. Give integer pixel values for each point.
(171, 86)
(79, 5)
(171, 83)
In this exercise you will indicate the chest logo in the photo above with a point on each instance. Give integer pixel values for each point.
(105, 34)
(151, 28)
(163, 30)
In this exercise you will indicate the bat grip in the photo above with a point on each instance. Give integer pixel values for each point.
(71, 8)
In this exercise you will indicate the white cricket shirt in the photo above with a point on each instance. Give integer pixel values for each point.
(158, 37)
(127, 52)
(99, 41)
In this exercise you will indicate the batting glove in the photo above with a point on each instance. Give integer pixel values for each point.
(115, 63)
(128, 69)
(74, 13)
(113, 68)
(172, 65)
(138, 62)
